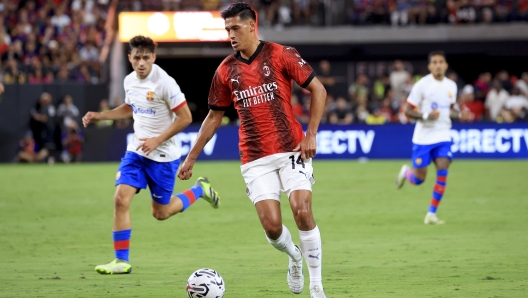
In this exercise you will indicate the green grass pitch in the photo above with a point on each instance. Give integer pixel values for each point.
(56, 222)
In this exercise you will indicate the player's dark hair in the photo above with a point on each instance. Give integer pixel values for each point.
(436, 53)
(241, 9)
(142, 43)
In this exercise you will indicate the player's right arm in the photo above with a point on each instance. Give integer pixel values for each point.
(209, 127)
(219, 101)
(124, 111)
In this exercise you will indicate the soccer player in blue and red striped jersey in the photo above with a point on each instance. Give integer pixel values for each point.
(431, 102)
(160, 111)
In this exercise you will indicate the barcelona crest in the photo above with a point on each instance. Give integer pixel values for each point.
(150, 96)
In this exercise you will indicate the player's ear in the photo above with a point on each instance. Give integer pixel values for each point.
(129, 58)
(153, 57)
(251, 25)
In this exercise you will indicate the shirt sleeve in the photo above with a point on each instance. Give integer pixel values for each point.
(127, 100)
(219, 94)
(415, 97)
(298, 69)
(174, 96)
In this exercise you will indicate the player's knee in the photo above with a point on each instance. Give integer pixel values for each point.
(273, 230)
(160, 215)
(303, 216)
(120, 202)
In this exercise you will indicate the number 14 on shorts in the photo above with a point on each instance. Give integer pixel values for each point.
(299, 161)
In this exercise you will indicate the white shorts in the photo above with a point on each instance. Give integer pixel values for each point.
(268, 176)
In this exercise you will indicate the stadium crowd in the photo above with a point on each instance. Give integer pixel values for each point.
(501, 97)
(358, 12)
(51, 41)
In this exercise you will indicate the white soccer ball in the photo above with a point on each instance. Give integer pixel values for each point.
(205, 283)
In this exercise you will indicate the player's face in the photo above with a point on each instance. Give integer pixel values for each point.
(240, 32)
(438, 66)
(142, 62)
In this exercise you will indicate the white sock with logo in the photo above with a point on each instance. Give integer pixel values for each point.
(285, 244)
(313, 254)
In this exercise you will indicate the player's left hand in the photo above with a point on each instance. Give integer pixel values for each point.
(148, 145)
(307, 147)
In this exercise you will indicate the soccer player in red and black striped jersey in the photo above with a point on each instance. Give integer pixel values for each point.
(276, 155)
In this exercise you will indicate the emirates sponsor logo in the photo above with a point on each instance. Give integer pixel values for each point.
(256, 95)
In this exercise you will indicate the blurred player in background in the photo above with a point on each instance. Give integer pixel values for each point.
(432, 102)
(160, 111)
(276, 155)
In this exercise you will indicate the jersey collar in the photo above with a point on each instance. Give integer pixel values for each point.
(257, 52)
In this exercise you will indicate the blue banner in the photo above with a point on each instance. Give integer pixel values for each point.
(481, 140)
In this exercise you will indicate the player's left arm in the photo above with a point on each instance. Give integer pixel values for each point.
(308, 145)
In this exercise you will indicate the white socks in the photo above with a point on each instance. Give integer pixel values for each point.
(285, 244)
(313, 254)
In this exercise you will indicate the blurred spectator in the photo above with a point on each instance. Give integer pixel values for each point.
(60, 19)
(400, 13)
(381, 87)
(386, 110)
(359, 88)
(342, 114)
(504, 78)
(495, 100)
(302, 12)
(43, 124)
(522, 84)
(417, 12)
(482, 86)
(398, 76)
(72, 143)
(28, 151)
(468, 102)
(362, 112)
(460, 11)
(13, 74)
(14, 51)
(502, 10)
(324, 75)
(89, 52)
(37, 77)
(454, 77)
(104, 107)
(517, 105)
(67, 112)
(376, 117)
(298, 110)
(506, 116)
(267, 10)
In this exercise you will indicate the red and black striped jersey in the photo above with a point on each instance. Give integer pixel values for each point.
(260, 88)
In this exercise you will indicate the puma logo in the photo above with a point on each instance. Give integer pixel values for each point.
(235, 80)
(314, 257)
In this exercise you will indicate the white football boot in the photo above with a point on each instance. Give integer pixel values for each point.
(317, 292)
(400, 179)
(295, 275)
(432, 219)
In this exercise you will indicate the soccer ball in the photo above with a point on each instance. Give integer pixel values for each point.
(205, 283)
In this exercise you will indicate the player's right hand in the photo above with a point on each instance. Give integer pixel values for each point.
(91, 117)
(185, 171)
(434, 114)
